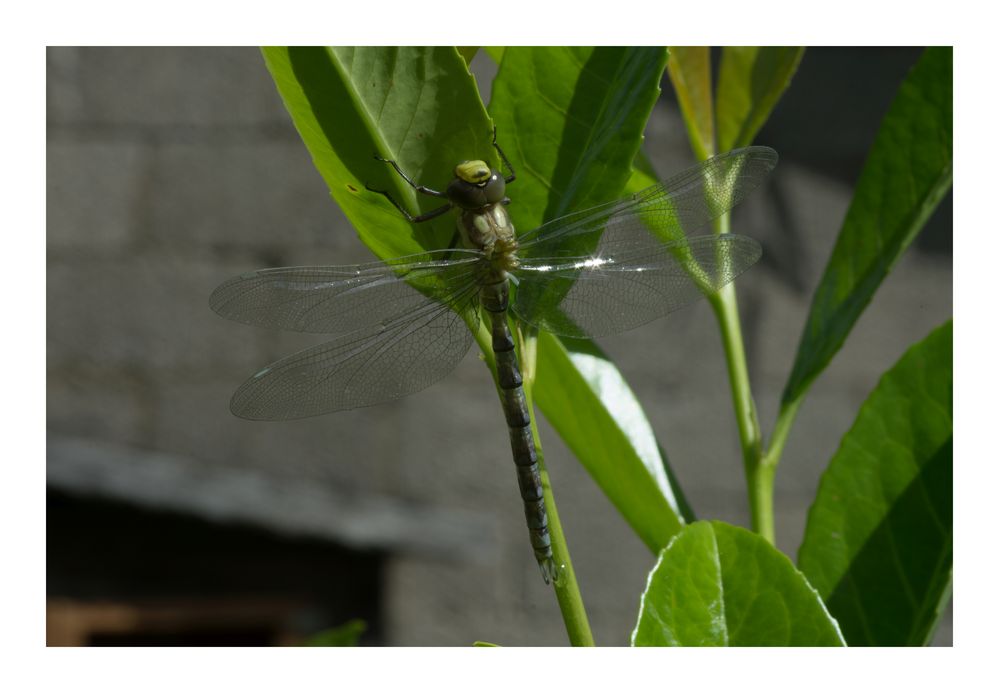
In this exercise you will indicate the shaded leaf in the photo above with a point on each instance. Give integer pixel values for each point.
(690, 72)
(571, 121)
(720, 585)
(907, 173)
(879, 542)
(751, 80)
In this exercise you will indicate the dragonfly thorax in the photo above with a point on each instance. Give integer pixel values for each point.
(491, 230)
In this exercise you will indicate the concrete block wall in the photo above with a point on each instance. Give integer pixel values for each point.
(171, 169)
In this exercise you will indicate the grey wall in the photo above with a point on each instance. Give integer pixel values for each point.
(171, 169)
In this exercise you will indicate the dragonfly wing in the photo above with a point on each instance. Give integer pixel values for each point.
(672, 209)
(614, 267)
(365, 367)
(340, 299)
(629, 280)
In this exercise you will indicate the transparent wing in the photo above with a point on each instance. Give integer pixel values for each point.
(628, 281)
(671, 209)
(617, 266)
(337, 299)
(365, 367)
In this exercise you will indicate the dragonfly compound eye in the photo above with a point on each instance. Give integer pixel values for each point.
(475, 186)
(495, 188)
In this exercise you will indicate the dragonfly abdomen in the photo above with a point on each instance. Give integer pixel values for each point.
(495, 299)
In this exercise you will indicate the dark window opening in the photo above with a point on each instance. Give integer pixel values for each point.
(118, 574)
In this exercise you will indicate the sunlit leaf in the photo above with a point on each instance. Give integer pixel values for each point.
(719, 585)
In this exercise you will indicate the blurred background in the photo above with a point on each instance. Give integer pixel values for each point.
(172, 522)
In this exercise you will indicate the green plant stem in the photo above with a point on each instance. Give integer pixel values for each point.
(570, 601)
(759, 474)
(782, 428)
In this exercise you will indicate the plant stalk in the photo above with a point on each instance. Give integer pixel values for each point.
(782, 428)
(759, 474)
(570, 601)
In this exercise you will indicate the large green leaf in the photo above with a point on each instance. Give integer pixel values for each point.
(720, 585)
(418, 106)
(690, 72)
(879, 542)
(908, 171)
(571, 121)
(751, 80)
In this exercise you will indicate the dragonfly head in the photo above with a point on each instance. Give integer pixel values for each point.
(475, 185)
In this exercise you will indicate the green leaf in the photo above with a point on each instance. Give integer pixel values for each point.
(418, 106)
(586, 399)
(751, 80)
(719, 585)
(879, 542)
(690, 72)
(347, 635)
(908, 172)
(483, 643)
(571, 121)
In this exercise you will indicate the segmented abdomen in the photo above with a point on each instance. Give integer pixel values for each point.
(495, 298)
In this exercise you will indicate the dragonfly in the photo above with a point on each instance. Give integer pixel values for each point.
(402, 324)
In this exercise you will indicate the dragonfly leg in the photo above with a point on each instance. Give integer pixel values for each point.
(432, 214)
(506, 162)
(418, 188)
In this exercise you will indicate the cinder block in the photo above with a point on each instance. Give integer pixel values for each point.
(265, 194)
(146, 314)
(63, 84)
(113, 408)
(92, 195)
(163, 86)
(454, 441)
(194, 418)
